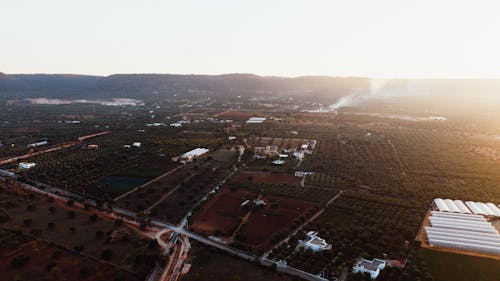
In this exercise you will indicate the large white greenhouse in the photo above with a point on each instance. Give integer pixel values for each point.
(470, 207)
(463, 231)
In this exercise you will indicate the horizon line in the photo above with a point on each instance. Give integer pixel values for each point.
(269, 76)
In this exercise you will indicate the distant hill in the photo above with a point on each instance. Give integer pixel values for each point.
(148, 85)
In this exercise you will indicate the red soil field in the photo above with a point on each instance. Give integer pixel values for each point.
(66, 266)
(236, 115)
(221, 214)
(263, 224)
(267, 178)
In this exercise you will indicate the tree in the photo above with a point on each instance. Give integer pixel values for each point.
(84, 273)
(20, 260)
(93, 217)
(27, 222)
(70, 203)
(99, 234)
(107, 254)
(51, 225)
(79, 248)
(50, 265)
(71, 214)
(52, 209)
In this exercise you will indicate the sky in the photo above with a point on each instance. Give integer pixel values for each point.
(374, 38)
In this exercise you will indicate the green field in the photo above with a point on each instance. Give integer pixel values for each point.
(452, 267)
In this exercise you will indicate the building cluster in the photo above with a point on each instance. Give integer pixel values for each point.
(462, 231)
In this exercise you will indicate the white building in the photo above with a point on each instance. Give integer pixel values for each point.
(26, 165)
(136, 144)
(231, 138)
(193, 154)
(256, 120)
(37, 144)
(176, 125)
(316, 243)
(372, 267)
(301, 174)
(279, 162)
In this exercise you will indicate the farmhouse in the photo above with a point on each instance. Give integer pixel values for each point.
(231, 138)
(136, 144)
(372, 267)
(301, 174)
(258, 202)
(26, 165)
(279, 162)
(93, 146)
(37, 144)
(193, 154)
(316, 243)
(176, 125)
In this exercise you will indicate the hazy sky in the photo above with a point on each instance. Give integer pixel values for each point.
(378, 38)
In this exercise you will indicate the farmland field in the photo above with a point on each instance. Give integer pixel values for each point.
(269, 224)
(75, 229)
(238, 115)
(267, 178)
(221, 215)
(311, 194)
(209, 264)
(37, 258)
(450, 267)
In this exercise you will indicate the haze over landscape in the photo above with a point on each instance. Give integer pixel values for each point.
(249, 140)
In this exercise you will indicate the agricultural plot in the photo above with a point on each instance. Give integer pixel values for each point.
(266, 165)
(238, 115)
(113, 169)
(209, 264)
(357, 225)
(311, 194)
(206, 175)
(281, 143)
(76, 229)
(371, 225)
(265, 178)
(353, 160)
(442, 266)
(28, 259)
(145, 196)
(270, 223)
(222, 214)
